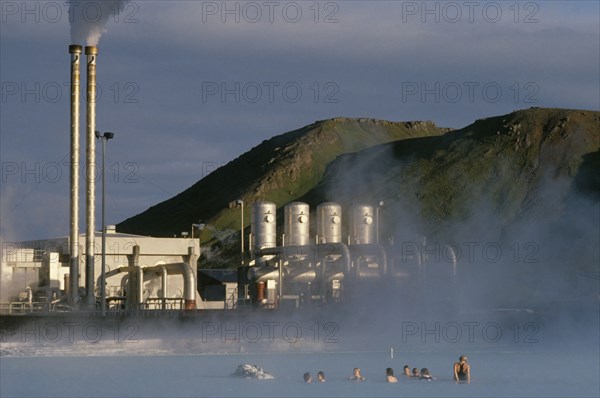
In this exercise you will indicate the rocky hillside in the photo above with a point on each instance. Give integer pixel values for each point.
(280, 169)
(528, 176)
(501, 169)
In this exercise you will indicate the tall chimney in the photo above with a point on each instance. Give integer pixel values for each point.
(73, 288)
(91, 52)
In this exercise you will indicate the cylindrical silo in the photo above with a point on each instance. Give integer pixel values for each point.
(296, 224)
(362, 225)
(329, 223)
(263, 225)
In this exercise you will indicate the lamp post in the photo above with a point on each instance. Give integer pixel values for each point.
(240, 202)
(234, 204)
(103, 137)
(377, 221)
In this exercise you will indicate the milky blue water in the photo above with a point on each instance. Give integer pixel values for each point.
(496, 371)
(512, 357)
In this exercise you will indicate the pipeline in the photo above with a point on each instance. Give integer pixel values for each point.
(189, 280)
(130, 269)
(370, 249)
(319, 251)
(184, 269)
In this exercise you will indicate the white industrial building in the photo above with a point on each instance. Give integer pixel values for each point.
(141, 271)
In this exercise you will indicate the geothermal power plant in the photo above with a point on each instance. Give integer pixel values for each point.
(294, 267)
(306, 268)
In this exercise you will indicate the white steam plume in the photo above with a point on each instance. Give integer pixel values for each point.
(89, 17)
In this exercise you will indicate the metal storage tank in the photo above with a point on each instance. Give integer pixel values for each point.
(296, 224)
(362, 225)
(329, 223)
(263, 225)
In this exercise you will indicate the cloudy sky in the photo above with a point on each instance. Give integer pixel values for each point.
(187, 86)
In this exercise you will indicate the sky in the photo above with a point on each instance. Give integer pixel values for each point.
(187, 86)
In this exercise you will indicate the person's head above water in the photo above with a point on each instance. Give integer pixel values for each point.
(321, 376)
(356, 375)
(307, 378)
(415, 372)
(389, 372)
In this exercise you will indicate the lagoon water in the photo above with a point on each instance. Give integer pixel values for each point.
(149, 369)
(511, 356)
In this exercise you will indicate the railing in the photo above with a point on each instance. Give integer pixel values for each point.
(164, 304)
(25, 307)
(16, 308)
(115, 306)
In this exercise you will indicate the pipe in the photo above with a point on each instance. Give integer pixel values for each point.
(130, 270)
(91, 52)
(383, 259)
(189, 280)
(192, 266)
(119, 270)
(164, 286)
(73, 285)
(280, 287)
(67, 284)
(189, 286)
(320, 251)
(134, 262)
(260, 292)
(140, 285)
(373, 249)
(301, 275)
(263, 273)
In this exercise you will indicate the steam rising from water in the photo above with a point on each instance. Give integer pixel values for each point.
(529, 268)
(89, 18)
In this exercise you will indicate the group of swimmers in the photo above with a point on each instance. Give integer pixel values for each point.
(462, 373)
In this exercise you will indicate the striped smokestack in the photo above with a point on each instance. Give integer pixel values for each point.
(91, 52)
(73, 288)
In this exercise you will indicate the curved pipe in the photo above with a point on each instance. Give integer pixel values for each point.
(119, 270)
(319, 251)
(371, 249)
(301, 275)
(184, 269)
(129, 269)
(263, 273)
(189, 280)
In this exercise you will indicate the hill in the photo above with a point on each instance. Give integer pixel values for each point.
(519, 179)
(519, 166)
(280, 169)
